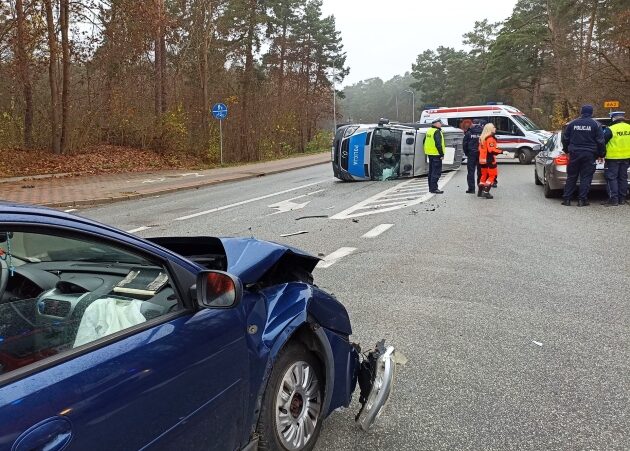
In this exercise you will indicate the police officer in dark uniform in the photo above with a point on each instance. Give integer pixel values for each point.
(471, 150)
(584, 139)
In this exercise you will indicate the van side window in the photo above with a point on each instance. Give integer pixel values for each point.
(506, 126)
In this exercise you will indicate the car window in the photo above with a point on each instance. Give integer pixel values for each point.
(60, 293)
(550, 145)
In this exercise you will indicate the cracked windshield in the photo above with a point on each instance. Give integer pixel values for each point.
(295, 225)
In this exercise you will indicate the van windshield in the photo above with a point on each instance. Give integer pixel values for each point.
(526, 123)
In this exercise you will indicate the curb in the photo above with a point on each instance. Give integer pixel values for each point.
(114, 199)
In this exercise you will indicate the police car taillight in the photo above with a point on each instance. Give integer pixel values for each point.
(562, 160)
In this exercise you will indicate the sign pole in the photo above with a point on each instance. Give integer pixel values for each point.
(221, 133)
(220, 112)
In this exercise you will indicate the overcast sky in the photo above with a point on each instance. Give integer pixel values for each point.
(384, 37)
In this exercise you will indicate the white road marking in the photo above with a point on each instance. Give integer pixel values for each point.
(288, 205)
(389, 200)
(378, 230)
(333, 258)
(139, 229)
(248, 201)
(70, 210)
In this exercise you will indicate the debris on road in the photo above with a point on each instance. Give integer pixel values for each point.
(537, 343)
(312, 217)
(301, 232)
(356, 221)
(414, 212)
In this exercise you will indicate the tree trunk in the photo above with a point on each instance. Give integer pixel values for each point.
(159, 84)
(247, 80)
(53, 77)
(589, 40)
(65, 51)
(25, 74)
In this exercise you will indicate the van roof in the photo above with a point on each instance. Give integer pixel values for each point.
(471, 109)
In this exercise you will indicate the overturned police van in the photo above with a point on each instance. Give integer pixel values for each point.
(387, 151)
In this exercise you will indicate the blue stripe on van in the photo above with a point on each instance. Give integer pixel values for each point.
(356, 155)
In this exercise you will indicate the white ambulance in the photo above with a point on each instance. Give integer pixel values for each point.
(517, 135)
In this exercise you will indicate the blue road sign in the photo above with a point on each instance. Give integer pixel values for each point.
(220, 111)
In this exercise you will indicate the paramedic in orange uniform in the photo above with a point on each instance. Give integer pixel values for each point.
(488, 151)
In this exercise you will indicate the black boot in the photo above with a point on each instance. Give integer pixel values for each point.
(566, 202)
(610, 203)
(583, 203)
(480, 192)
(486, 193)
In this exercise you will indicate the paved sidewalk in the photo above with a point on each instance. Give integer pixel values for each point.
(101, 189)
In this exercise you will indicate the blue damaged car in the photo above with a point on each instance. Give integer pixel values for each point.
(112, 342)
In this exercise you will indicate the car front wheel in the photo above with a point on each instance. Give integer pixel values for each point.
(291, 416)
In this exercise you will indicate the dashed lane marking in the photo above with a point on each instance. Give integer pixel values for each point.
(333, 258)
(139, 229)
(390, 199)
(248, 201)
(378, 230)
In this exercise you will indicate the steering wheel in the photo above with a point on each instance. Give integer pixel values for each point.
(4, 277)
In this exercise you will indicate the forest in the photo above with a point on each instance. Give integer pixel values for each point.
(547, 58)
(145, 74)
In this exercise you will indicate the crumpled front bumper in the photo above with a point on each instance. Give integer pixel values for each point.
(376, 377)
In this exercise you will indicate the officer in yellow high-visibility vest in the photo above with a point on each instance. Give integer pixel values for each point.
(617, 138)
(434, 146)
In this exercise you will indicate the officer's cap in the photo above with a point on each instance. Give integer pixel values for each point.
(438, 120)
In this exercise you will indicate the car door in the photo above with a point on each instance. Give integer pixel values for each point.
(507, 135)
(173, 379)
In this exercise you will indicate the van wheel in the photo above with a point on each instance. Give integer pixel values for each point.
(525, 156)
(536, 179)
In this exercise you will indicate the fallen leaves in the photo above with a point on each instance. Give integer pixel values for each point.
(104, 159)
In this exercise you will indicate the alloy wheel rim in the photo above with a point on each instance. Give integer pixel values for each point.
(298, 406)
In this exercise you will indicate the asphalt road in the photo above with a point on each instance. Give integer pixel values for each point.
(514, 313)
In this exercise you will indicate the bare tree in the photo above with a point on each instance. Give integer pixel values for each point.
(53, 76)
(24, 71)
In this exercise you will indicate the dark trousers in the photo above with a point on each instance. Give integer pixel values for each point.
(617, 179)
(474, 170)
(435, 171)
(582, 166)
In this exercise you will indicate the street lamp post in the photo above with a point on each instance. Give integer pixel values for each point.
(413, 104)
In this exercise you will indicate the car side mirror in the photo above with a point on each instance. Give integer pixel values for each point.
(218, 290)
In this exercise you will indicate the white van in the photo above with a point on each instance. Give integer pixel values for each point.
(517, 135)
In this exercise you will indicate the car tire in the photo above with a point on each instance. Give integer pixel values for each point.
(525, 156)
(289, 403)
(550, 193)
(536, 179)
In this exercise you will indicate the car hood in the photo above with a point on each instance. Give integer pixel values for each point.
(249, 259)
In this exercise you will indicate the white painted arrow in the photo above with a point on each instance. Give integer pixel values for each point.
(287, 205)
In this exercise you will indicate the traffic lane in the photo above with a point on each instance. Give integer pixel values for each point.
(162, 212)
(471, 313)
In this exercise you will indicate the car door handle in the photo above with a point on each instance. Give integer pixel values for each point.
(52, 434)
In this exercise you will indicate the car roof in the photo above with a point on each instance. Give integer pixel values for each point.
(51, 213)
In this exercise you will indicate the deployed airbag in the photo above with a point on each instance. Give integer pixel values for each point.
(106, 316)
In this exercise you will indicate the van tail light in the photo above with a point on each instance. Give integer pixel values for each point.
(562, 160)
